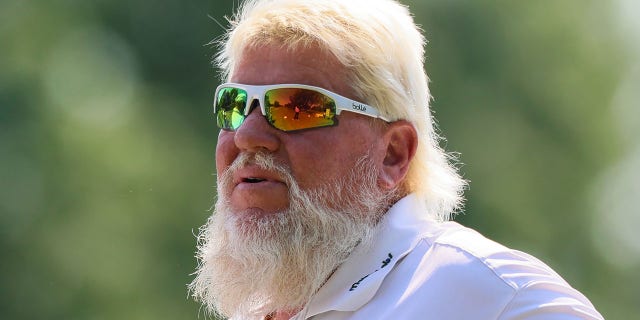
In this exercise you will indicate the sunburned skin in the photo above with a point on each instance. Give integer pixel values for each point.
(313, 156)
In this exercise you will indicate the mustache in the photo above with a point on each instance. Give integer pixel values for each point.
(262, 160)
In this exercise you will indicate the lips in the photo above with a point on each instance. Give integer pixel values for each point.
(253, 180)
(255, 175)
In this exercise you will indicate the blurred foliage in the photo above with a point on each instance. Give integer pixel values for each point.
(107, 144)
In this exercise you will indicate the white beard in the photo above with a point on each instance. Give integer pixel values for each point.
(249, 267)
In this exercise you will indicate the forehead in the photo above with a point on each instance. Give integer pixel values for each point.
(274, 64)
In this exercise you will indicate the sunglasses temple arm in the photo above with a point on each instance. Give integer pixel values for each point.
(363, 109)
(357, 107)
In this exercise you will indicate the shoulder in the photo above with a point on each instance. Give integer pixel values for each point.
(458, 272)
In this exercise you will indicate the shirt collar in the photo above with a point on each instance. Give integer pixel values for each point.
(357, 280)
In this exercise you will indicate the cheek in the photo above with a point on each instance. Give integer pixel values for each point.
(226, 151)
(328, 161)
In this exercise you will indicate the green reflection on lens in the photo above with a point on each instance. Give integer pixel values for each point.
(230, 106)
(237, 117)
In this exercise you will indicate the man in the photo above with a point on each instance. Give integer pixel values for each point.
(340, 215)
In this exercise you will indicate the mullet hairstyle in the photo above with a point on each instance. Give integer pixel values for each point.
(383, 51)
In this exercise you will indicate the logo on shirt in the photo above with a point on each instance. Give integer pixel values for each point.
(385, 262)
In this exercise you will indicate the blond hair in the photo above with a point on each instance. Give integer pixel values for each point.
(383, 50)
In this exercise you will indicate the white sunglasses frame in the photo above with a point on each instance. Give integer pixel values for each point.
(258, 93)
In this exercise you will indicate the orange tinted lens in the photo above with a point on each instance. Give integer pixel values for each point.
(291, 109)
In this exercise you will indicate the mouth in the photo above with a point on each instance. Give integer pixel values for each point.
(256, 191)
(255, 176)
(253, 180)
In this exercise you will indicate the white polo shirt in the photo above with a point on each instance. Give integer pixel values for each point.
(421, 269)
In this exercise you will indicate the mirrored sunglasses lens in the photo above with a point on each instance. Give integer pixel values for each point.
(291, 109)
(229, 108)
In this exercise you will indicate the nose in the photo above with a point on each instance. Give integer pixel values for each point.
(256, 134)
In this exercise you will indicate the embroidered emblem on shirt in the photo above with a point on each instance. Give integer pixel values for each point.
(385, 262)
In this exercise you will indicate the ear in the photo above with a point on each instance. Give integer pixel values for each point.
(401, 141)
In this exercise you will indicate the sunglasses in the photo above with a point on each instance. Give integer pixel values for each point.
(287, 107)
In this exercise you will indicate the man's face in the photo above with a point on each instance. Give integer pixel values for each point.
(316, 157)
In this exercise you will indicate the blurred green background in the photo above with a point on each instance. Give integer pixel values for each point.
(107, 144)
